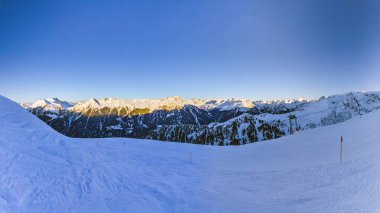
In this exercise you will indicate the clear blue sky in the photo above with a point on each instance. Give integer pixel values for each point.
(258, 49)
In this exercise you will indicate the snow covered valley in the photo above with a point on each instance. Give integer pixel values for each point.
(44, 171)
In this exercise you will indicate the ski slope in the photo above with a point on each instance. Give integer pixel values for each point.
(43, 171)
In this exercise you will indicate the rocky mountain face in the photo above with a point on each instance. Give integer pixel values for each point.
(214, 122)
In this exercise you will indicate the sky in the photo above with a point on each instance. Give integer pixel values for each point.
(258, 49)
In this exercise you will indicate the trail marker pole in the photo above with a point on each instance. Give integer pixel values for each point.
(341, 148)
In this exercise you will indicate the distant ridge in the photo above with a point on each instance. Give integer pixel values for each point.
(208, 121)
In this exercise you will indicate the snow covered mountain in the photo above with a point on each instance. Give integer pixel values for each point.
(123, 107)
(217, 122)
(48, 108)
(285, 119)
(43, 171)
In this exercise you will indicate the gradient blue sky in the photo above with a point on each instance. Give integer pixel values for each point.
(259, 49)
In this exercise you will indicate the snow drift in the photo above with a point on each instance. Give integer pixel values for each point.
(43, 171)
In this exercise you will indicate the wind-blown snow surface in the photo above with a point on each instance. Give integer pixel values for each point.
(43, 171)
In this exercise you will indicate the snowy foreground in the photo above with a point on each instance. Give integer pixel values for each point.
(43, 171)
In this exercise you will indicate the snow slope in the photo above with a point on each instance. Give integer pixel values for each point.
(43, 171)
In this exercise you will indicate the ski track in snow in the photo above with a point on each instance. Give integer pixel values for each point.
(43, 171)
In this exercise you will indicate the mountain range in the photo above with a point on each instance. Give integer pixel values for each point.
(200, 121)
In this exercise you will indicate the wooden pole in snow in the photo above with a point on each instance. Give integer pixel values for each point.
(341, 148)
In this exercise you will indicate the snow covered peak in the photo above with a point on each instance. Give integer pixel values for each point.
(92, 103)
(285, 101)
(174, 99)
(222, 104)
(51, 104)
(168, 103)
(235, 103)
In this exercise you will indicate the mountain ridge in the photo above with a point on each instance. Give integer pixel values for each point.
(209, 103)
(176, 119)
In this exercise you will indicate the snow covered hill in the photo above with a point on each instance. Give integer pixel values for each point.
(43, 171)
